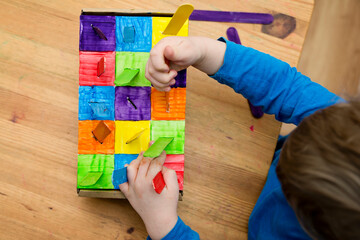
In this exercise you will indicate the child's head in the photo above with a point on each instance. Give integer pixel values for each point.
(319, 169)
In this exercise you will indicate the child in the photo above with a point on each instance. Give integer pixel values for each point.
(313, 191)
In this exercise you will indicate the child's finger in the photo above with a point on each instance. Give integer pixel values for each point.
(169, 53)
(143, 168)
(154, 82)
(132, 169)
(170, 179)
(159, 86)
(124, 187)
(156, 166)
(160, 77)
(164, 78)
(158, 59)
(136, 162)
(172, 82)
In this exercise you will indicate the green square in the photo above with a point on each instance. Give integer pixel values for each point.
(92, 164)
(175, 129)
(131, 60)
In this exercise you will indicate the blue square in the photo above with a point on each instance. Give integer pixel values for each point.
(122, 159)
(133, 34)
(119, 176)
(96, 102)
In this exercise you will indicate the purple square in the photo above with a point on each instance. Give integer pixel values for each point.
(90, 40)
(180, 79)
(132, 103)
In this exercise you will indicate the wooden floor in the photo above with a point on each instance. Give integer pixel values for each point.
(227, 151)
(331, 53)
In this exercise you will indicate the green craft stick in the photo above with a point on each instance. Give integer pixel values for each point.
(158, 147)
(90, 179)
(126, 76)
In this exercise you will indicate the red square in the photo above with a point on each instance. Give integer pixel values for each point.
(88, 69)
(176, 162)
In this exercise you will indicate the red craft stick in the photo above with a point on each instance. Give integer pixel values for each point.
(101, 66)
(158, 183)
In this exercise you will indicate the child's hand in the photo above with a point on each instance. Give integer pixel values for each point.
(158, 211)
(168, 56)
(172, 54)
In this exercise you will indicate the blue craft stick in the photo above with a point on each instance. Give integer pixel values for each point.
(100, 110)
(129, 34)
(119, 176)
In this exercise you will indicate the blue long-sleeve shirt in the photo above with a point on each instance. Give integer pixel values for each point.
(280, 90)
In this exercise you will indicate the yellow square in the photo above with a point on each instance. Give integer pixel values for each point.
(127, 130)
(160, 23)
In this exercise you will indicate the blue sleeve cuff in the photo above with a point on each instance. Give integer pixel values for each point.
(180, 232)
(223, 73)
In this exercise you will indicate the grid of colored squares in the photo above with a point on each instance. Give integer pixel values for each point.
(119, 111)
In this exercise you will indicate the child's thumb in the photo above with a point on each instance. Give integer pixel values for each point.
(170, 179)
(169, 53)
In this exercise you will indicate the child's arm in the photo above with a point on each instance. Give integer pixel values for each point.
(261, 78)
(158, 211)
(173, 54)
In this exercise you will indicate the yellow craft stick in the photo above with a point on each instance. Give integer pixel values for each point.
(178, 19)
(136, 136)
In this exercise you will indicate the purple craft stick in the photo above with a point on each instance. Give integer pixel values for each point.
(255, 111)
(239, 17)
(233, 36)
(138, 96)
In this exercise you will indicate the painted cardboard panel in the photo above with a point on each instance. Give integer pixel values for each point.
(133, 34)
(96, 163)
(177, 100)
(176, 162)
(88, 69)
(159, 25)
(131, 60)
(89, 145)
(132, 103)
(122, 159)
(180, 79)
(125, 130)
(175, 129)
(96, 103)
(90, 40)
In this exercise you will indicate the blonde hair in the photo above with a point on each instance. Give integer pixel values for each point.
(319, 170)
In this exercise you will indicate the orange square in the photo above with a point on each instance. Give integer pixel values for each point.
(89, 145)
(177, 100)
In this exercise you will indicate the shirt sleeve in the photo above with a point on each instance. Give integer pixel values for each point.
(180, 232)
(272, 84)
